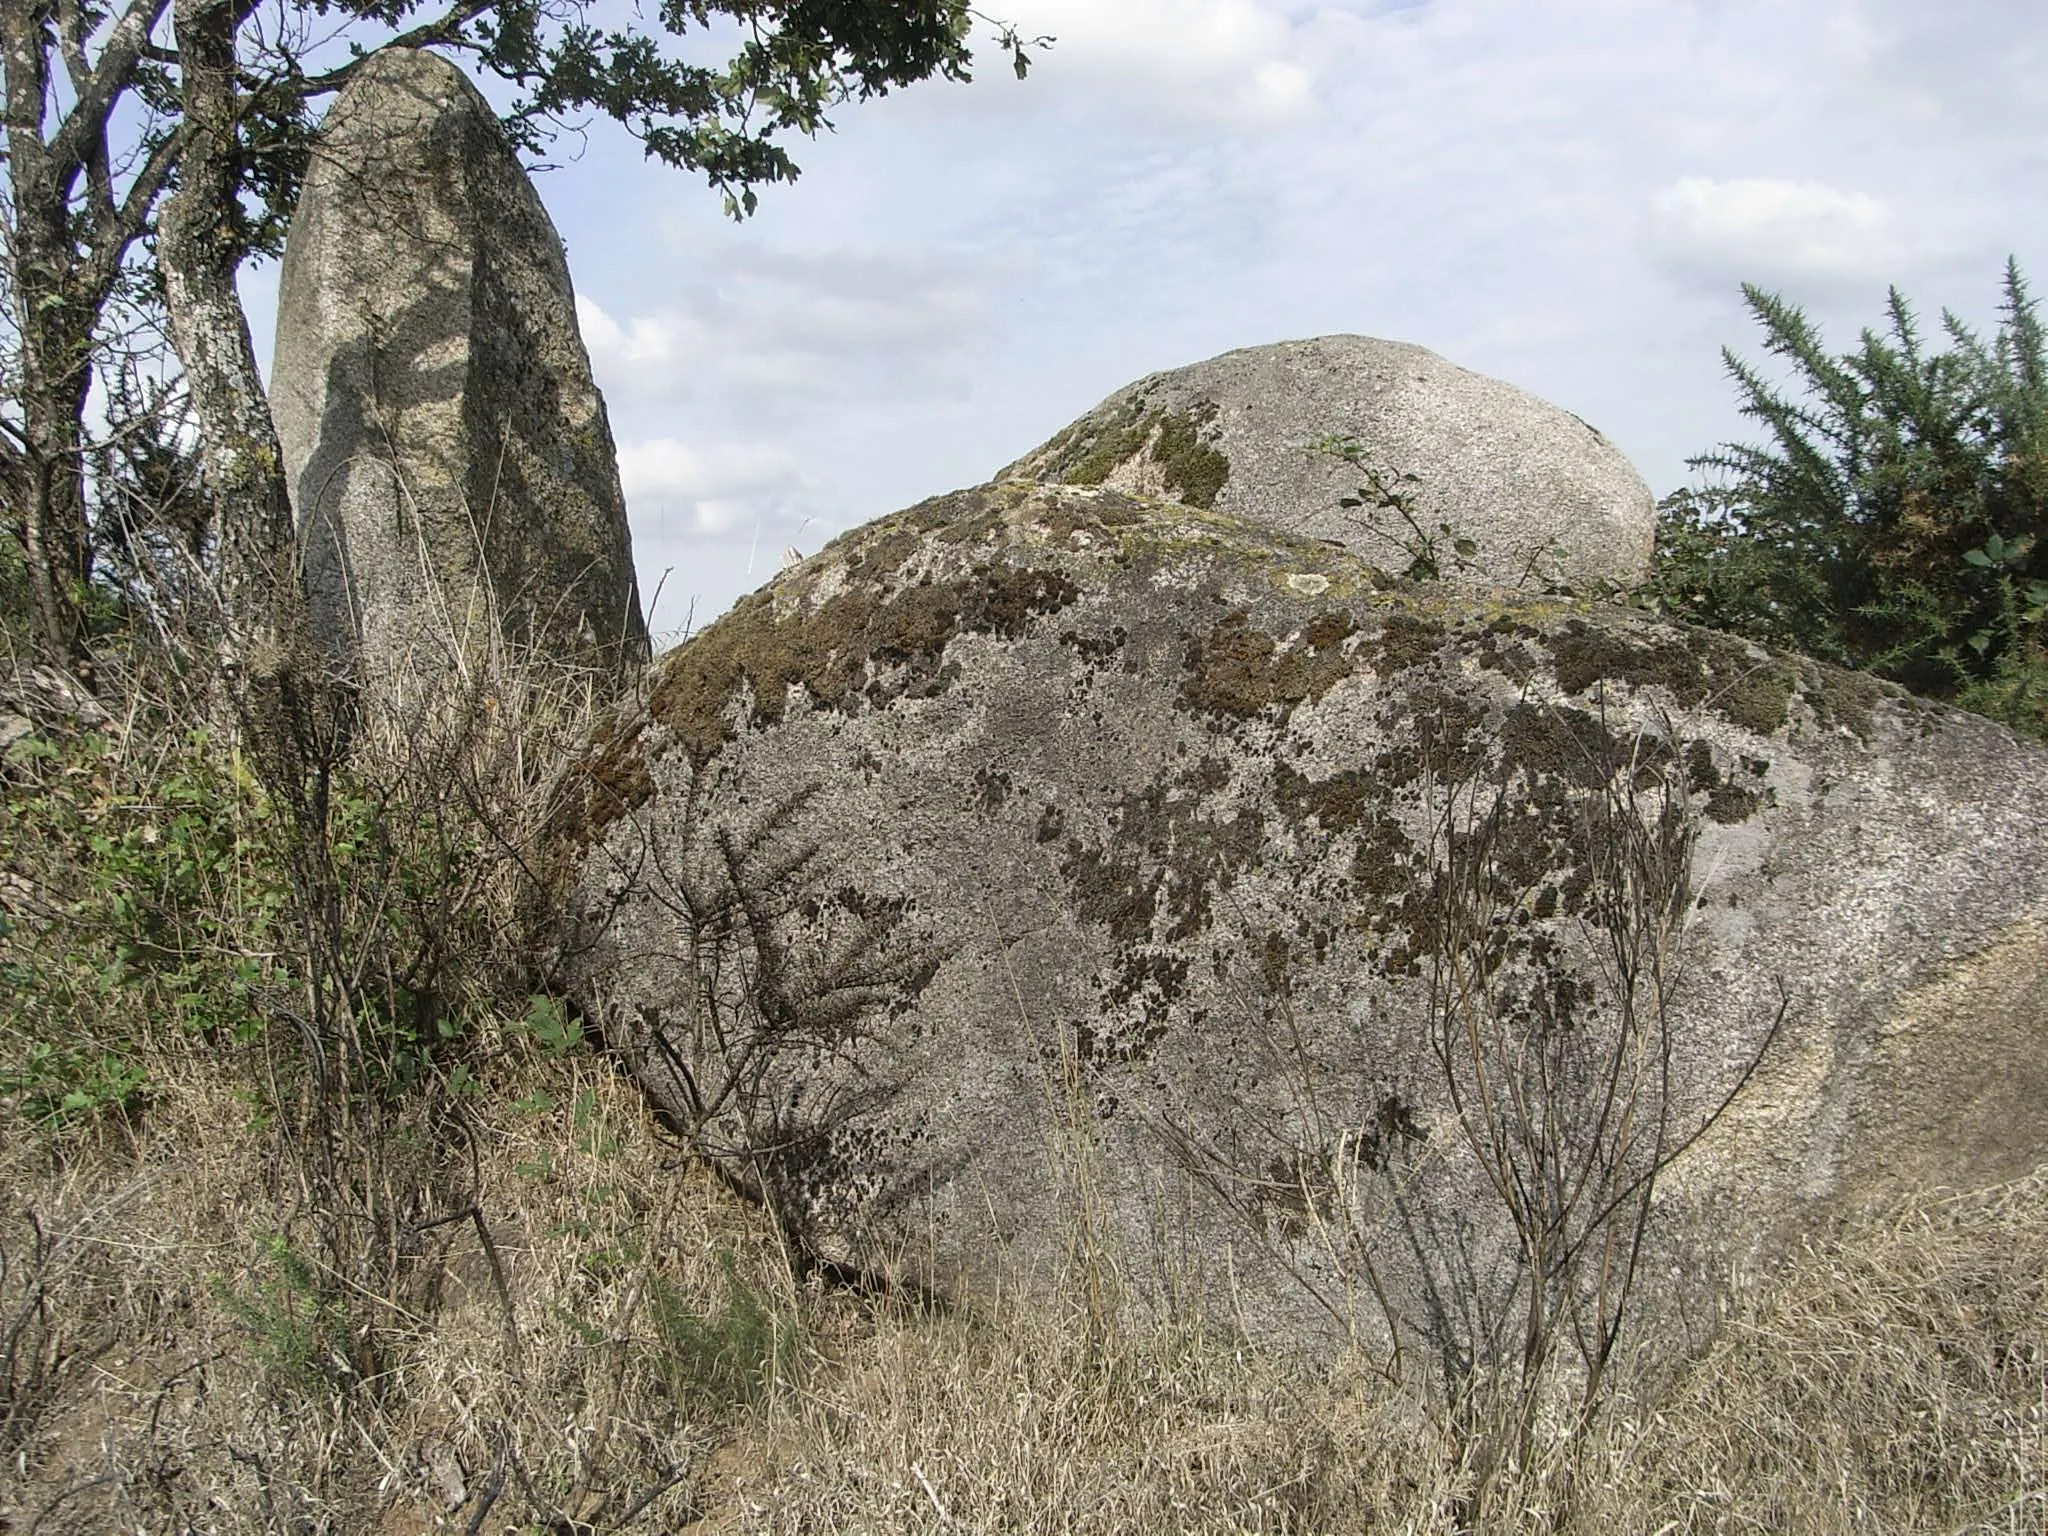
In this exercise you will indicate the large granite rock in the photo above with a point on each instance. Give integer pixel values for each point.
(449, 457)
(1046, 871)
(1540, 498)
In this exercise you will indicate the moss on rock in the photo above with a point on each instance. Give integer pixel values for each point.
(1742, 684)
(1240, 671)
(1192, 470)
(870, 642)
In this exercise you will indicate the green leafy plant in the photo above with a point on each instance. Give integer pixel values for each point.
(185, 896)
(158, 914)
(1432, 554)
(1891, 518)
(729, 1353)
(548, 1025)
(51, 1084)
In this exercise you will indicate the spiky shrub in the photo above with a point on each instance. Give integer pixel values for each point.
(1891, 518)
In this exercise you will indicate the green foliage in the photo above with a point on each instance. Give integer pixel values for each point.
(548, 1025)
(52, 1083)
(730, 1353)
(296, 1326)
(1431, 554)
(1892, 519)
(179, 897)
(158, 912)
(797, 61)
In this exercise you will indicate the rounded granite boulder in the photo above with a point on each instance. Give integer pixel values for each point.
(1046, 871)
(1439, 465)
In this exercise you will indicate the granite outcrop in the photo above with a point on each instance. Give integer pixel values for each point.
(1049, 870)
(1414, 463)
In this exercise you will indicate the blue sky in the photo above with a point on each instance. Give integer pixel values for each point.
(1564, 193)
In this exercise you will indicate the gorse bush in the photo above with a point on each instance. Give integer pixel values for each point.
(1892, 519)
(729, 1353)
(293, 1319)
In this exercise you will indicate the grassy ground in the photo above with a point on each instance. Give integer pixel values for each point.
(634, 1351)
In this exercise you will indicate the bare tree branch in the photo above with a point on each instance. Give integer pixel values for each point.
(448, 30)
(86, 123)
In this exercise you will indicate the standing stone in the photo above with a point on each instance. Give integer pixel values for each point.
(449, 457)
(1545, 501)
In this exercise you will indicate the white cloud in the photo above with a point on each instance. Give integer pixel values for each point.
(762, 321)
(647, 356)
(1770, 230)
(1239, 60)
(672, 468)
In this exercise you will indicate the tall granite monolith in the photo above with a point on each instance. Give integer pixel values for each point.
(450, 461)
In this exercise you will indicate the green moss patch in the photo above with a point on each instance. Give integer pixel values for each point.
(1089, 458)
(871, 644)
(1239, 672)
(1842, 699)
(1193, 470)
(1696, 667)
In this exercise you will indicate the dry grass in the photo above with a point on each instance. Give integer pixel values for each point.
(196, 1385)
(1893, 1381)
(319, 1218)
(944, 1424)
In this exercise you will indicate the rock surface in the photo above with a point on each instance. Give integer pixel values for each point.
(1044, 871)
(449, 456)
(1544, 500)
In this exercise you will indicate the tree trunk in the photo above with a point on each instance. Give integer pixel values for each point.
(239, 452)
(56, 373)
(55, 325)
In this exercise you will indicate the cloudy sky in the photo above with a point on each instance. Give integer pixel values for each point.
(1564, 193)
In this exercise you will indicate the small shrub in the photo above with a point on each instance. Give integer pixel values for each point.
(730, 1353)
(294, 1324)
(1428, 554)
(1892, 521)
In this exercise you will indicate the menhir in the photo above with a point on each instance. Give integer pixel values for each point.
(449, 458)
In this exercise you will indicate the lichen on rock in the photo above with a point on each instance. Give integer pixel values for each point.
(1174, 851)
